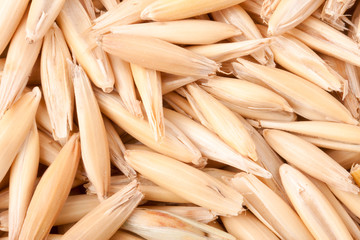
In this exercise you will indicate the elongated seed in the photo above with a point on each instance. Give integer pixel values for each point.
(42, 15)
(94, 144)
(51, 192)
(186, 181)
(156, 54)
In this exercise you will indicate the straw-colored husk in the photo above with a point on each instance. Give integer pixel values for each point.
(238, 17)
(124, 13)
(19, 62)
(14, 127)
(174, 144)
(11, 13)
(51, 192)
(355, 173)
(310, 159)
(333, 12)
(198, 214)
(290, 13)
(160, 225)
(151, 191)
(153, 53)
(42, 14)
(75, 208)
(268, 159)
(261, 114)
(117, 150)
(124, 84)
(267, 9)
(269, 208)
(221, 52)
(155, 224)
(247, 226)
(350, 200)
(319, 216)
(321, 37)
(148, 84)
(245, 94)
(94, 144)
(211, 146)
(301, 60)
(355, 30)
(224, 122)
(22, 181)
(186, 181)
(166, 10)
(74, 22)
(181, 105)
(171, 82)
(188, 31)
(339, 208)
(345, 158)
(352, 104)
(43, 119)
(56, 83)
(104, 220)
(347, 71)
(338, 132)
(307, 99)
(49, 148)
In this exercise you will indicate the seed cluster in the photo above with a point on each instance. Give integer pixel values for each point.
(179, 119)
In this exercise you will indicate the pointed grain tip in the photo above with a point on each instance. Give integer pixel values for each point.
(271, 31)
(107, 89)
(146, 14)
(288, 108)
(30, 38)
(37, 92)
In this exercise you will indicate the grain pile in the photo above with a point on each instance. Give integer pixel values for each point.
(179, 119)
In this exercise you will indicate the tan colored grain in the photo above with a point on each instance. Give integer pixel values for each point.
(221, 52)
(186, 181)
(211, 146)
(307, 99)
(148, 84)
(165, 10)
(123, 14)
(319, 216)
(15, 125)
(20, 60)
(42, 14)
(323, 38)
(290, 13)
(224, 122)
(247, 226)
(175, 144)
(310, 159)
(117, 150)
(11, 13)
(104, 220)
(124, 84)
(94, 144)
(245, 94)
(270, 209)
(153, 53)
(56, 83)
(51, 192)
(238, 17)
(74, 22)
(22, 181)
